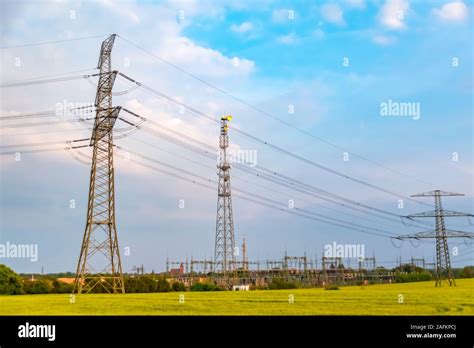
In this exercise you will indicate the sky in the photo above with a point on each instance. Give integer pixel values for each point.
(309, 77)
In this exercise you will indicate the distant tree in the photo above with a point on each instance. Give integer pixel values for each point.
(178, 286)
(467, 272)
(61, 288)
(204, 287)
(10, 282)
(146, 283)
(278, 283)
(162, 285)
(413, 277)
(40, 286)
(409, 268)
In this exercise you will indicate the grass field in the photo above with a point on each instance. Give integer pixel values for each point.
(418, 299)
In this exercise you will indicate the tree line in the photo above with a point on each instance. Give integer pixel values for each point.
(13, 284)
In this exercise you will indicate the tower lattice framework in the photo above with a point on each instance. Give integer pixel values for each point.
(99, 263)
(443, 270)
(443, 261)
(224, 257)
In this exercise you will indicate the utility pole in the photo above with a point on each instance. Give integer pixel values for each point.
(245, 261)
(99, 262)
(224, 257)
(441, 234)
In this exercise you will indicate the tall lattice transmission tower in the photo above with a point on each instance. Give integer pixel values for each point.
(224, 257)
(245, 260)
(441, 234)
(99, 262)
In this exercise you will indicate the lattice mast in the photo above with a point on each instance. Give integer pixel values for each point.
(245, 260)
(99, 262)
(443, 269)
(224, 257)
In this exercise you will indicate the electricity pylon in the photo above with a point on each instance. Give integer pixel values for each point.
(99, 262)
(245, 260)
(224, 257)
(443, 262)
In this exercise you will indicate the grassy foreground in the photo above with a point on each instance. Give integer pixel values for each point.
(418, 299)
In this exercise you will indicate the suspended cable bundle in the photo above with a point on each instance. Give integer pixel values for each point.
(272, 146)
(268, 114)
(45, 81)
(262, 172)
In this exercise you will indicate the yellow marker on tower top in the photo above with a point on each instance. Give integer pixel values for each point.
(227, 118)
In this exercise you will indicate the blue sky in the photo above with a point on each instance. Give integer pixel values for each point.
(397, 49)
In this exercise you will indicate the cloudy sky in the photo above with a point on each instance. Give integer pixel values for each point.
(307, 76)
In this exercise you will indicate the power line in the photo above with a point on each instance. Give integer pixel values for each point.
(51, 42)
(254, 183)
(321, 218)
(266, 187)
(339, 223)
(69, 141)
(33, 151)
(55, 75)
(274, 117)
(46, 132)
(263, 176)
(266, 172)
(47, 113)
(45, 123)
(44, 81)
(240, 190)
(272, 146)
(28, 115)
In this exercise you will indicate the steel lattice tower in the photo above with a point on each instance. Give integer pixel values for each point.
(224, 258)
(99, 262)
(443, 263)
(245, 260)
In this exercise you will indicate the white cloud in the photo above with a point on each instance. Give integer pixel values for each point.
(282, 15)
(393, 13)
(242, 28)
(196, 8)
(289, 39)
(383, 40)
(455, 11)
(333, 13)
(183, 52)
(121, 9)
(359, 4)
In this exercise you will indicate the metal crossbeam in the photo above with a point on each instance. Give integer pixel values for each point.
(433, 234)
(433, 213)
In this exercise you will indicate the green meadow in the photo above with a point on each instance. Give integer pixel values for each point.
(421, 298)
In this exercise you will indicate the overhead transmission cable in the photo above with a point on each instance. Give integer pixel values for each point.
(272, 146)
(52, 42)
(263, 171)
(303, 212)
(271, 115)
(22, 83)
(265, 187)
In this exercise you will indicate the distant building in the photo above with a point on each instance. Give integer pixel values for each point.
(241, 288)
(66, 280)
(177, 272)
